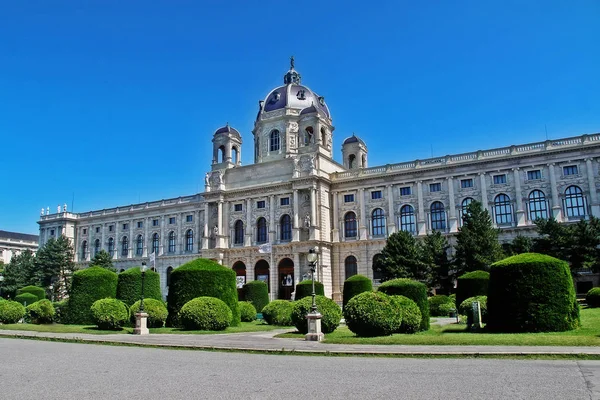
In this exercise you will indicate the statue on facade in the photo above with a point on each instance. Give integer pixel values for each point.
(65, 207)
(58, 209)
(47, 210)
(307, 221)
(216, 230)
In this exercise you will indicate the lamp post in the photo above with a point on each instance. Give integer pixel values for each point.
(143, 269)
(141, 318)
(313, 317)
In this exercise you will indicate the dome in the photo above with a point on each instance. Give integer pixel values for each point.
(354, 139)
(228, 130)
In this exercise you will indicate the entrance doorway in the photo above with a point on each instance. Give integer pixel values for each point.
(286, 279)
(240, 278)
(261, 273)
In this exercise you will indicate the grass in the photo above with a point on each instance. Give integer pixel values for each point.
(455, 335)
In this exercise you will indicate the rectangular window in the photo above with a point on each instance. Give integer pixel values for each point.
(97, 229)
(405, 191)
(171, 220)
(570, 170)
(84, 231)
(51, 232)
(536, 174)
(125, 227)
(284, 201)
(435, 187)
(111, 228)
(499, 179)
(348, 198)
(376, 194)
(237, 207)
(189, 218)
(140, 224)
(466, 183)
(260, 204)
(154, 222)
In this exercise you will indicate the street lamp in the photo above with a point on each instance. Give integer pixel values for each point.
(313, 317)
(143, 269)
(141, 317)
(312, 262)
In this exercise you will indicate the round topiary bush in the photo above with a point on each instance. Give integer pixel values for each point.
(592, 298)
(247, 311)
(129, 286)
(205, 314)
(60, 311)
(440, 305)
(89, 285)
(354, 285)
(11, 312)
(39, 292)
(531, 292)
(466, 308)
(26, 298)
(372, 314)
(416, 291)
(411, 315)
(278, 312)
(472, 284)
(109, 314)
(257, 293)
(304, 289)
(156, 310)
(331, 312)
(40, 312)
(202, 278)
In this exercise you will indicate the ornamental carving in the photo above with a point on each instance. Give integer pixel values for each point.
(307, 162)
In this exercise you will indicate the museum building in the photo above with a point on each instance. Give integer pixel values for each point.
(261, 219)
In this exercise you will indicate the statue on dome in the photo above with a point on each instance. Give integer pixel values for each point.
(292, 62)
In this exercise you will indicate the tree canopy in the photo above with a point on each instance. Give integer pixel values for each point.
(104, 260)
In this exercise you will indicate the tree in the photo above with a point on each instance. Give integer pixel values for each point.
(104, 260)
(435, 256)
(477, 245)
(521, 244)
(20, 272)
(401, 258)
(55, 261)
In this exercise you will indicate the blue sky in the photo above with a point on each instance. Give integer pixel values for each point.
(115, 102)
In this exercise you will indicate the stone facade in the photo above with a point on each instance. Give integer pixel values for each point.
(14, 243)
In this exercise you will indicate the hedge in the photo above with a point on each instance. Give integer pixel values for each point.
(472, 284)
(531, 292)
(247, 311)
(156, 310)
(372, 314)
(39, 292)
(440, 305)
(205, 314)
(202, 278)
(411, 314)
(40, 312)
(330, 311)
(304, 289)
(129, 286)
(60, 311)
(109, 314)
(416, 291)
(592, 298)
(278, 312)
(26, 298)
(257, 293)
(11, 312)
(89, 285)
(466, 308)
(354, 285)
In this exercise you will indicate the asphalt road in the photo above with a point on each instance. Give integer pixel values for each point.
(45, 370)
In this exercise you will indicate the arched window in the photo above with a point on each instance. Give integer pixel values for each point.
(407, 219)
(274, 140)
(155, 243)
(308, 136)
(538, 208)
(285, 228)
(438, 216)
(351, 160)
(234, 155)
(378, 222)
(323, 136)
(363, 162)
(350, 266)
(463, 208)
(256, 148)
(503, 209)
(139, 245)
(83, 250)
(238, 232)
(125, 246)
(221, 154)
(261, 230)
(189, 240)
(171, 242)
(350, 225)
(377, 274)
(169, 271)
(111, 246)
(96, 246)
(574, 202)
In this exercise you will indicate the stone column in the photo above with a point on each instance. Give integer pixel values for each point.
(556, 206)
(197, 234)
(595, 207)
(248, 230)
(391, 215)
(146, 238)
(452, 220)
(205, 228)
(131, 241)
(313, 212)
(362, 228)
(102, 237)
(219, 243)
(335, 232)
(519, 197)
(422, 226)
(484, 197)
(295, 211)
(272, 226)
(225, 234)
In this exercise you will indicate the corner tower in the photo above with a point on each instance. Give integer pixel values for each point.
(227, 148)
(354, 153)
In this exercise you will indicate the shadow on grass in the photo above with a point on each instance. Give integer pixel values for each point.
(93, 329)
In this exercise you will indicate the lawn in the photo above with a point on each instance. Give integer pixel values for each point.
(587, 335)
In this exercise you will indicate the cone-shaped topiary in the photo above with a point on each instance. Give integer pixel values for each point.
(11, 311)
(592, 298)
(89, 285)
(247, 311)
(41, 312)
(531, 292)
(257, 293)
(330, 311)
(129, 286)
(472, 284)
(202, 278)
(354, 285)
(278, 312)
(39, 292)
(109, 314)
(205, 314)
(416, 291)
(156, 310)
(304, 289)
(372, 314)
(26, 298)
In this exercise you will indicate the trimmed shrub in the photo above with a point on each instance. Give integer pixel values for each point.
(26, 298)
(109, 314)
(466, 308)
(411, 315)
(304, 289)
(440, 305)
(89, 285)
(372, 314)
(60, 311)
(129, 286)
(331, 312)
(278, 312)
(416, 291)
(202, 278)
(531, 292)
(39, 292)
(354, 285)
(472, 284)
(592, 298)
(11, 312)
(156, 310)
(205, 314)
(257, 293)
(247, 311)
(40, 312)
